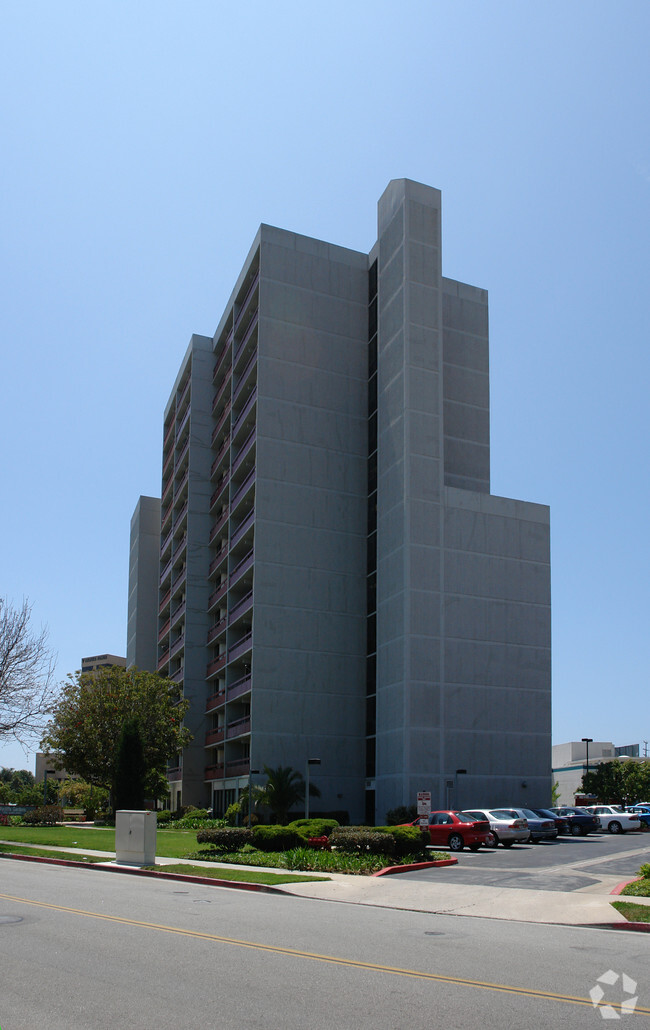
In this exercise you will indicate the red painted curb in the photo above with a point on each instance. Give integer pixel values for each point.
(208, 881)
(619, 886)
(389, 869)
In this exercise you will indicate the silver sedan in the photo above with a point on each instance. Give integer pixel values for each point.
(504, 828)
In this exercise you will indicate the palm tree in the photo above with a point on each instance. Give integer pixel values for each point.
(284, 788)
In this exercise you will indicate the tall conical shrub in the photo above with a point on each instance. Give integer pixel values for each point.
(130, 770)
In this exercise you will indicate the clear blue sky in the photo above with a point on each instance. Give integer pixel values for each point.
(142, 144)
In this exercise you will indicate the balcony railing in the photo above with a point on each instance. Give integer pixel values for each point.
(214, 736)
(219, 426)
(239, 726)
(222, 357)
(168, 432)
(220, 391)
(163, 546)
(184, 394)
(247, 335)
(244, 411)
(178, 611)
(164, 600)
(217, 560)
(177, 676)
(243, 528)
(242, 566)
(215, 666)
(238, 767)
(222, 483)
(239, 687)
(220, 453)
(249, 291)
(177, 645)
(219, 524)
(243, 489)
(165, 571)
(250, 364)
(244, 450)
(163, 632)
(175, 774)
(214, 772)
(179, 578)
(163, 659)
(216, 629)
(183, 422)
(241, 647)
(241, 607)
(215, 701)
(181, 515)
(218, 594)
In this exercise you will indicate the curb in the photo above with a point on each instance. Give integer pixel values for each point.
(390, 869)
(619, 886)
(208, 881)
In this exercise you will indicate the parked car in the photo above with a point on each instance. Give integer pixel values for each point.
(540, 829)
(614, 818)
(456, 830)
(643, 812)
(504, 829)
(561, 823)
(580, 822)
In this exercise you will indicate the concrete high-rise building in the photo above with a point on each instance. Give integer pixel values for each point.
(144, 573)
(336, 579)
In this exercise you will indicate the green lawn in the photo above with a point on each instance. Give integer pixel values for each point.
(633, 913)
(16, 849)
(639, 888)
(245, 875)
(169, 843)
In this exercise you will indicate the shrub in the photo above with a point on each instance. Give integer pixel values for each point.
(409, 840)
(44, 816)
(313, 827)
(401, 814)
(164, 817)
(644, 871)
(189, 822)
(277, 838)
(356, 839)
(225, 838)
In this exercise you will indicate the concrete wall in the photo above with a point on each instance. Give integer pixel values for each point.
(144, 570)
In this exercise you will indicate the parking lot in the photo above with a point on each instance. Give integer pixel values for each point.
(597, 862)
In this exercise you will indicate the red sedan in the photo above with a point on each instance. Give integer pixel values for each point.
(455, 830)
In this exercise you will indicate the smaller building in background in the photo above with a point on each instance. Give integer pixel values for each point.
(571, 761)
(144, 570)
(102, 661)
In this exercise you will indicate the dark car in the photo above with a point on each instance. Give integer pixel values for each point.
(580, 822)
(540, 828)
(455, 830)
(562, 824)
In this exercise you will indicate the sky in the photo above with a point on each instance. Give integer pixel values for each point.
(143, 144)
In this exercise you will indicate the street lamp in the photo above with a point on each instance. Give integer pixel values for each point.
(587, 741)
(310, 761)
(251, 772)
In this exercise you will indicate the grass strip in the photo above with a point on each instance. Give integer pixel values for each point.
(638, 889)
(633, 913)
(16, 849)
(242, 875)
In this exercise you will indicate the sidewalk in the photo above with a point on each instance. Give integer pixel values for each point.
(573, 908)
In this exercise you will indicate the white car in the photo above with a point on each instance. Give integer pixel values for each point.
(614, 818)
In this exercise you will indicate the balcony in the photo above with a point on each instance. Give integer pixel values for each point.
(167, 489)
(238, 767)
(219, 524)
(243, 490)
(249, 294)
(163, 659)
(163, 632)
(216, 629)
(177, 645)
(165, 572)
(220, 424)
(220, 453)
(222, 484)
(217, 560)
(181, 515)
(241, 607)
(222, 357)
(168, 432)
(244, 450)
(214, 772)
(220, 392)
(185, 448)
(165, 543)
(245, 411)
(177, 676)
(215, 701)
(245, 376)
(218, 594)
(243, 528)
(175, 774)
(241, 647)
(185, 392)
(178, 611)
(241, 344)
(242, 566)
(164, 601)
(239, 726)
(183, 422)
(213, 737)
(180, 578)
(215, 666)
(239, 687)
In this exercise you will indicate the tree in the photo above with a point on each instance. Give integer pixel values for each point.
(79, 794)
(130, 768)
(83, 733)
(284, 788)
(618, 783)
(26, 674)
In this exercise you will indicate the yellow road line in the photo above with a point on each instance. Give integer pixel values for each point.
(331, 959)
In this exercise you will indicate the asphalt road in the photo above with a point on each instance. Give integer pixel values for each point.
(567, 864)
(84, 951)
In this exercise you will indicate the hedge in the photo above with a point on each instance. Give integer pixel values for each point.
(226, 838)
(313, 827)
(277, 838)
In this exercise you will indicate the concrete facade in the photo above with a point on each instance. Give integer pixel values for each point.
(144, 572)
(570, 763)
(337, 582)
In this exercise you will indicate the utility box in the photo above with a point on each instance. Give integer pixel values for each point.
(135, 838)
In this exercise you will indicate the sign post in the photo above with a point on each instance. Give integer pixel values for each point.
(424, 806)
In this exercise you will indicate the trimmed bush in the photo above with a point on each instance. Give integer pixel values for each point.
(313, 827)
(163, 817)
(409, 840)
(363, 839)
(277, 838)
(225, 838)
(44, 816)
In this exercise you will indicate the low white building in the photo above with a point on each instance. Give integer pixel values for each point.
(571, 761)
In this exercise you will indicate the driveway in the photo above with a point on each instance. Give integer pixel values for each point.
(595, 863)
